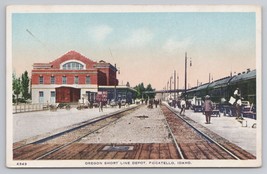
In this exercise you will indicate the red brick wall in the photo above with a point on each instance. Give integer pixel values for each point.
(58, 77)
(103, 76)
(72, 55)
(100, 76)
(112, 77)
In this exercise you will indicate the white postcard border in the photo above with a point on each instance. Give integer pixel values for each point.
(121, 9)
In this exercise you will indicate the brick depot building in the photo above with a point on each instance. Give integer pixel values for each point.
(72, 77)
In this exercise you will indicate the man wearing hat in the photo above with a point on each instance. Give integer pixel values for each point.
(183, 106)
(207, 108)
(237, 103)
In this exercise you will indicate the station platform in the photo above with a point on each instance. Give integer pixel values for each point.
(243, 133)
(30, 124)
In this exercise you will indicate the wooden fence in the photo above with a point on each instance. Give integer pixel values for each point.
(23, 107)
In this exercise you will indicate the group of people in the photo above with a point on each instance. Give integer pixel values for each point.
(152, 102)
(207, 105)
(207, 108)
(119, 103)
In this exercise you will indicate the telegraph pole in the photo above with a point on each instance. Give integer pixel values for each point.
(170, 85)
(174, 84)
(177, 84)
(185, 74)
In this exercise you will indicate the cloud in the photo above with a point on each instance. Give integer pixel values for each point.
(139, 37)
(172, 46)
(100, 33)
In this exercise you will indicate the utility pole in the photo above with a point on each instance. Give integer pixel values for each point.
(174, 84)
(168, 89)
(115, 90)
(177, 81)
(170, 85)
(185, 75)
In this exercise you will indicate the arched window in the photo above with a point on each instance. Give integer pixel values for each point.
(73, 66)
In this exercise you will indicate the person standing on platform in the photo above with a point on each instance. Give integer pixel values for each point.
(156, 103)
(207, 108)
(183, 106)
(238, 103)
(100, 106)
(119, 103)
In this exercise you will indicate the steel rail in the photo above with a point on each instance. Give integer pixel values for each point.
(73, 141)
(175, 141)
(203, 134)
(81, 125)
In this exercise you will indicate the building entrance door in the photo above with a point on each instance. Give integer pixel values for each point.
(41, 96)
(52, 97)
(67, 94)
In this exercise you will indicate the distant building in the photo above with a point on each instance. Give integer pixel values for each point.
(72, 77)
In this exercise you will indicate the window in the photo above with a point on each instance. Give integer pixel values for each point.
(88, 80)
(76, 80)
(73, 66)
(53, 94)
(52, 80)
(64, 80)
(41, 80)
(41, 93)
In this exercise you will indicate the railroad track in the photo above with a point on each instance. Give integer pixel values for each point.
(193, 143)
(189, 142)
(43, 147)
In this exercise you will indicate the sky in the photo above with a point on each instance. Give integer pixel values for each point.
(146, 46)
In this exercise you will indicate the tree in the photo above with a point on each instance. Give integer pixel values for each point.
(140, 88)
(149, 88)
(25, 86)
(16, 86)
